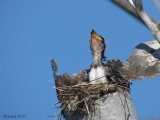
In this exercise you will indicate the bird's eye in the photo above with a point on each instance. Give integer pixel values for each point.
(102, 39)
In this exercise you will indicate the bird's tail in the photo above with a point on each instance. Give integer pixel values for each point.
(54, 67)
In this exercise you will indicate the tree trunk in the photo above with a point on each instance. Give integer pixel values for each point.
(113, 106)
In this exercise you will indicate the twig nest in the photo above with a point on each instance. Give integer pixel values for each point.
(76, 94)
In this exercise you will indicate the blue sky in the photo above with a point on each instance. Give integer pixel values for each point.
(32, 32)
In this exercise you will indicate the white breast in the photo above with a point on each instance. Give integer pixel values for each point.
(97, 75)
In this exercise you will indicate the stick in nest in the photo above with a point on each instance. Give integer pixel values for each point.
(81, 96)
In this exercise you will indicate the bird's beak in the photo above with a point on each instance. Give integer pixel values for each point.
(96, 35)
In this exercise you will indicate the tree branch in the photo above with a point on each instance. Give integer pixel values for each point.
(137, 11)
(124, 4)
(153, 26)
(157, 4)
(144, 62)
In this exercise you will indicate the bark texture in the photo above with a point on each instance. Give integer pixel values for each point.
(144, 62)
(114, 106)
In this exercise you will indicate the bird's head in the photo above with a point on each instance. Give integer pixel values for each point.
(97, 45)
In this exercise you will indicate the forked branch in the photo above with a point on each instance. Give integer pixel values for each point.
(136, 9)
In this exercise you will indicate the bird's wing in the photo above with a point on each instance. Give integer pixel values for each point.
(144, 62)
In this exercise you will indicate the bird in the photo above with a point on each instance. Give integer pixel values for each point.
(97, 71)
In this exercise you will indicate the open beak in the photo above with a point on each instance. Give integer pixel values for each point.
(96, 35)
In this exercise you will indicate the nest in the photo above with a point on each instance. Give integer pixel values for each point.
(76, 94)
(81, 96)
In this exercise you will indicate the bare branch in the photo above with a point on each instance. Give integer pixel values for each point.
(127, 7)
(131, 2)
(153, 26)
(140, 14)
(138, 4)
(157, 4)
(144, 62)
(54, 67)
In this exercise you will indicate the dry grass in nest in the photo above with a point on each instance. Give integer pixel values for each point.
(79, 97)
